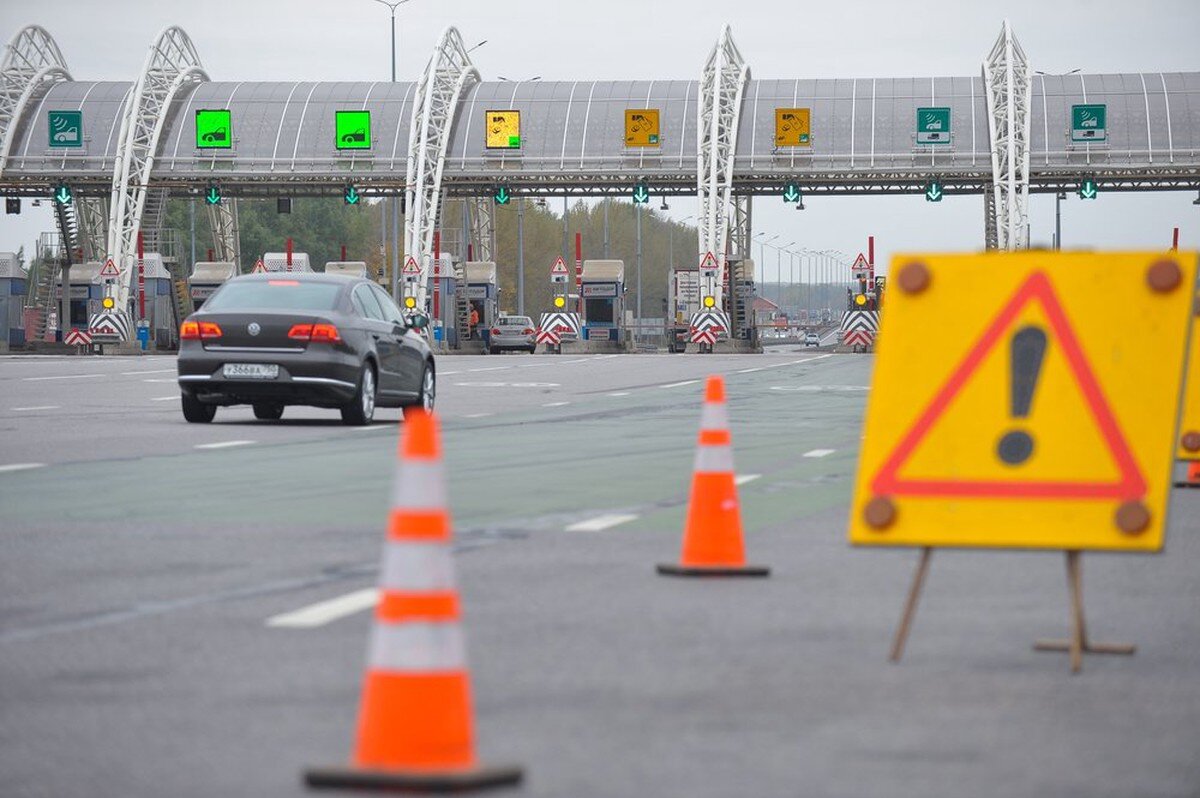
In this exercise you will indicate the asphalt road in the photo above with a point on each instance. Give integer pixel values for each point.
(167, 628)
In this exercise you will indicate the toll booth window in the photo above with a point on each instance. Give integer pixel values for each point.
(598, 311)
(275, 295)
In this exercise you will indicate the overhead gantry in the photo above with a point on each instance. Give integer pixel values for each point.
(1008, 86)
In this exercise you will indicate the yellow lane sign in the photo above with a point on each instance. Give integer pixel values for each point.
(1025, 400)
(1189, 423)
(641, 127)
(503, 130)
(792, 127)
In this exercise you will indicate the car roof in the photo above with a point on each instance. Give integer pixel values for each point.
(303, 277)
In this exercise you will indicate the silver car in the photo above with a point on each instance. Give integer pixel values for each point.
(512, 332)
(812, 339)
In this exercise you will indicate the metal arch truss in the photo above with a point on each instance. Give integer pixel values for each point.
(483, 228)
(446, 76)
(718, 113)
(1008, 86)
(223, 221)
(171, 64)
(32, 64)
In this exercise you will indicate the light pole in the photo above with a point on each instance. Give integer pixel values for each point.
(779, 263)
(762, 250)
(392, 6)
(520, 256)
(638, 327)
(1058, 198)
(670, 238)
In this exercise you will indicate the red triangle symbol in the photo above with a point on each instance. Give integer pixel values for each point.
(709, 262)
(559, 267)
(110, 269)
(411, 267)
(258, 267)
(1131, 484)
(860, 263)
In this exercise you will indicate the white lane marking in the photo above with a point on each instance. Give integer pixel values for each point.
(161, 379)
(63, 377)
(323, 612)
(164, 398)
(478, 415)
(678, 384)
(750, 371)
(555, 404)
(507, 385)
(38, 407)
(444, 373)
(21, 466)
(151, 371)
(489, 368)
(600, 522)
(619, 393)
(818, 388)
(818, 453)
(742, 479)
(222, 444)
(370, 427)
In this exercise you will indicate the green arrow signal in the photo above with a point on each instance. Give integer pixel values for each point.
(791, 193)
(933, 192)
(1088, 190)
(502, 196)
(641, 194)
(351, 195)
(213, 197)
(62, 195)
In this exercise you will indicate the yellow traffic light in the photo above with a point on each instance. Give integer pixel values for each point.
(709, 301)
(410, 302)
(559, 302)
(108, 303)
(860, 299)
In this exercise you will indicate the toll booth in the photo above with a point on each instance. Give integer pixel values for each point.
(603, 293)
(444, 289)
(741, 300)
(87, 291)
(207, 277)
(14, 285)
(160, 321)
(483, 294)
(278, 262)
(350, 268)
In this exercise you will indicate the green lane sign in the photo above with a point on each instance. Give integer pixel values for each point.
(66, 128)
(1089, 123)
(933, 125)
(933, 191)
(501, 195)
(214, 131)
(350, 195)
(791, 192)
(353, 130)
(213, 195)
(62, 194)
(1088, 189)
(641, 193)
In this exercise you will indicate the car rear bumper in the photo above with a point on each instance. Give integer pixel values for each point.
(513, 342)
(326, 379)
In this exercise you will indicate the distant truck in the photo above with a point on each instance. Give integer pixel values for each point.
(683, 301)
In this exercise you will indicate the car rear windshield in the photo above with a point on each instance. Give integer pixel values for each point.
(275, 295)
(516, 321)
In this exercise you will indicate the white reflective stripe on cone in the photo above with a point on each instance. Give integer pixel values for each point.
(417, 646)
(419, 486)
(712, 459)
(714, 416)
(417, 566)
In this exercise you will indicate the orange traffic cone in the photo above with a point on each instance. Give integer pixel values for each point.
(414, 729)
(712, 535)
(1192, 478)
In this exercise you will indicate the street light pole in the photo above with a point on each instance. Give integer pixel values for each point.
(392, 6)
(520, 256)
(1058, 198)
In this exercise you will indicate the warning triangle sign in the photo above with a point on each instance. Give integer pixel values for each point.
(860, 263)
(708, 263)
(110, 269)
(559, 267)
(411, 267)
(982, 436)
(259, 268)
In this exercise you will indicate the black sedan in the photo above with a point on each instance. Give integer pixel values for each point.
(272, 340)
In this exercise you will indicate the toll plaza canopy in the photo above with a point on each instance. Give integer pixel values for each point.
(572, 134)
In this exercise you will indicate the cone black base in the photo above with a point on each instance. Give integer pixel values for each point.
(413, 780)
(670, 569)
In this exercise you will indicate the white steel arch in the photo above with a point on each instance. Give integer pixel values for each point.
(1008, 87)
(32, 63)
(718, 115)
(171, 64)
(446, 76)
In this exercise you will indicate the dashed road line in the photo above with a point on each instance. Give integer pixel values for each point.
(555, 404)
(742, 479)
(478, 415)
(21, 466)
(619, 393)
(222, 444)
(324, 612)
(37, 407)
(63, 377)
(600, 522)
(678, 384)
(818, 453)
(151, 371)
(164, 398)
(489, 368)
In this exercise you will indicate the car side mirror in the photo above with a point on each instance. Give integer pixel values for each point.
(418, 321)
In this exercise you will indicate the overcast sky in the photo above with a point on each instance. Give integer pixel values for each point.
(669, 39)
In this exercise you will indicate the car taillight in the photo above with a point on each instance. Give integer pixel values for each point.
(191, 330)
(495, 331)
(326, 333)
(527, 331)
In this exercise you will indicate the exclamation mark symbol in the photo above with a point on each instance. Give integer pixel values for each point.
(1028, 349)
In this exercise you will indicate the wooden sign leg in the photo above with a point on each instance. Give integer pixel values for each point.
(910, 606)
(1078, 644)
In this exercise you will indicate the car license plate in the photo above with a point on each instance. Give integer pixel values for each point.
(251, 371)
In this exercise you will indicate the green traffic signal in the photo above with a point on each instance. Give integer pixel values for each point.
(791, 192)
(1088, 189)
(350, 195)
(213, 195)
(641, 193)
(933, 191)
(501, 195)
(62, 194)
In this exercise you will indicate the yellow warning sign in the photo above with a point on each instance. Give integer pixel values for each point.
(1010, 408)
(503, 130)
(641, 127)
(1189, 421)
(792, 127)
